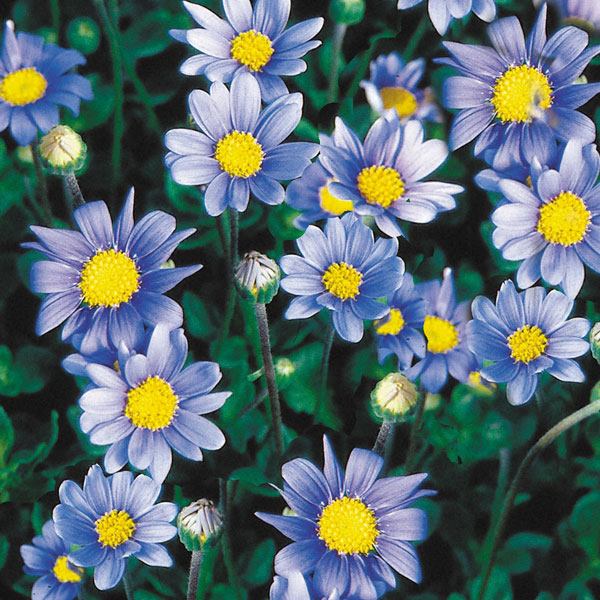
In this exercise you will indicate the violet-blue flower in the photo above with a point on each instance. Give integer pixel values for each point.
(344, 270)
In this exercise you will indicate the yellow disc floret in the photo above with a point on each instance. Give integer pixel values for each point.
(152, 404)
(109, 278)
(520, 92)
(564, 220)
(252, 49)
(342, 280)
(332, 204)
(23, 87)
(239, 154)
(65, 572)
(349, 526)
(380, 185)
(441, 334)
(114, 528)
(527, 343)
(402, 100)
(392, 325)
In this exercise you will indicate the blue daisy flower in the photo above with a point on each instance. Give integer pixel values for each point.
(397, 332)
(520, 95)
(553, 224)
(241, 149)
(583, 13)
(343, 270)
(382, 177)
(350, 530)
(524, 334)
(310, 193)
(34, 81)
(444, 328)
(249, 41)
(393, 84)
(106, 281)
(59, 578)
(150, 405)
(441, 12)
(113, 518)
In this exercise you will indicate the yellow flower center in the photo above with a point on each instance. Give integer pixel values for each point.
(65, 572)
(565, 220)
(441, 334)
(252, 49)
(380, 185)
(239, 154)
(519, 93)
(402, 100)
(109, 278)
(527, 343)
(392, 325)
(23, 87)
(332, 204)
(114, 528)
(348, 526)
(342, 280)
(152, 404)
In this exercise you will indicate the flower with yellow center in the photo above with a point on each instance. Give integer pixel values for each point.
(239, 154)
(114, 528)
(564, 220)
(23, 87)
(342, 280)
(152, 404)
(252, 49)
(401, 99)
(380, 185)
(441, 335)
(392, 325)
(331, 204)
(527, 343)
(66, 572)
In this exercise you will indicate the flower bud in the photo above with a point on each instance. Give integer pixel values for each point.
(257, 277)
(393, 397)
(348, 12)
(595, 341)
(63, 149)
(198, 523)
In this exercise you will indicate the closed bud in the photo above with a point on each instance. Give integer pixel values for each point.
(347, 12)
(257, 277)
(63, 149)
(393, 397)
(198, 523)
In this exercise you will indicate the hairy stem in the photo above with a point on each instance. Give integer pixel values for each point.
(74, 190)
(195, 565)
(383, 436)
(324, 369)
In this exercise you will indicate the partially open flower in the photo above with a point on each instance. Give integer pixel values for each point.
(393, 397)
(257, 277)
(63, 149)
(197, 523)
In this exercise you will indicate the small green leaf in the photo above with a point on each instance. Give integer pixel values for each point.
(260, 564)
(7, 437)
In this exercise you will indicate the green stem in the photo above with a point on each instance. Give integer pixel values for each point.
(543, 442)
(128, 586)
(325, 368)
(227, 500)
(383, 436)
(260, 310)
(143, 95)
(110, 23)
(414, 433)
(74, 190)
(195, 565)
(41, 181)
(207, 567)
(224, 228)
(234, 217)
(55, 13)
(415, 38)
(336, 50)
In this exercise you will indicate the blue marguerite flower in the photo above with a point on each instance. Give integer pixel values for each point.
(444, 327)
(350, 530)
(249, 41)
(59, 579)
(441, 12)
(553, 224)
(524, 334)
(240, 150)
(150, 406)
(343, 270)
(584, 13)
(34, 81)
(393, 84)
(382, 177)
(521, 94)
(310, 193)
(397, 333)
(113, 518)
(106, 281)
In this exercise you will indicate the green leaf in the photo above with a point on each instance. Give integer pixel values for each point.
(259, 564)
(3, 550)
(9, 382)
(197, 320)
(498, 587)
(226, 592)
(7, 437)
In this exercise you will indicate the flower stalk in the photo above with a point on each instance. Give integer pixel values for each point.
(414, 433)
(383, 436)
(195, 566)
(41, 182)
(339, 33)
(128, 585)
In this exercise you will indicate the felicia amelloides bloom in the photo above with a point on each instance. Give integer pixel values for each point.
(34, 81)
(524, 334)
(520, 93)
(251, 40)
(350, 530)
